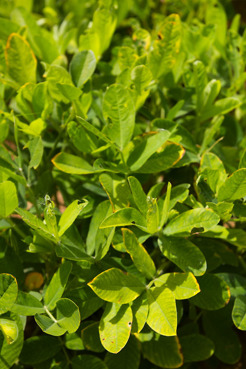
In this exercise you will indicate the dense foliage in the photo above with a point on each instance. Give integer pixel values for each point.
(122, 184)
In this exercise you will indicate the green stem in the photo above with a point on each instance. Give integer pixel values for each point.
(50, 315)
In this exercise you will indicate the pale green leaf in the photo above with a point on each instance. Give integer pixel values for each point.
(183, 224)
(147, 147)
(72, 164)
(27, 305)
(239, 313)
(57, 285)
(234, 186)
(8, 292)
(69, 215)
(183, 285)
(67, 315)
(8, 198)
(162, 316)
(115, 327)
(117, 286)
(138, 253)
(20, 60)
(140, 309)
(118, 109)
(138, 194)
(124, 217)
(10, 330)
(82, 67)
(9, 353)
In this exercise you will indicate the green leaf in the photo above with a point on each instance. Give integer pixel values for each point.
(219, 328)
(37, 349)
(183, 285)
(118, 109)
(67, 319)
(184, 254)
(20, 60)
(72, 164)
(214, 294)
(128, 357)
(162, 316)
(35, 223)
(115, 327)
(67, 315)
(139, 255)
(82, 66)
(222, 106)
(204, 347)
(152, 216)
(35, 147)
(69, 215)
(163, 57)
(27, 305)
(8, 198)
(117, 190)
(57, 285)
(184, 223)
(10, 330)
(8, 292)
(146, 148)
(234, 186)
(165, 352)
(138, 194)
(124, 217)
(140, 309)
(98, 240)
(87, 301)
(84, 141)
(9, 353)
(68, 91)
(166, 157)
(49, 326)
(236, 282)
(166, 206)
(116, 286)
(87, 362)
(239, 313)
(89, 127)
(98, 36)
(91, 339)
(234, 236)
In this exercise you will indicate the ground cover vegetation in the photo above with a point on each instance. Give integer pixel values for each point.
(122, 184)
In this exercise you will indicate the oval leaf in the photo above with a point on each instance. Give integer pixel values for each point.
(184, 254)
(139, 255)
(20, 60)
(8, 292)
(82, 66)
(8, 198)
(214, 293)
(201, 219)
(239, 313)
(162, 316)
(116, 286)
(183, 285)
(119, 109)
(115, 327)
(234, 186)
